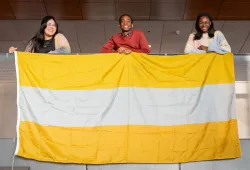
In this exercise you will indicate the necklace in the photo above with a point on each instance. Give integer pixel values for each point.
(46, 43)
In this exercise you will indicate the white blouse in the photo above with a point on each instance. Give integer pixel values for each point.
(216, 44)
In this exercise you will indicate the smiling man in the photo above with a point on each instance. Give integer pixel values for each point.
(128, 40)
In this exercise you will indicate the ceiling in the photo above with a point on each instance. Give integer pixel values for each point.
(112, 9)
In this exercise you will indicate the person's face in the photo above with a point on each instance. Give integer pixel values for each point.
(51, 28)
(204, 23)
(126, 24)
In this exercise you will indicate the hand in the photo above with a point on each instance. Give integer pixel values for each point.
(127, 51)
(121, 50)
(52, 52)
(12, 49)
(203, 48)
(124, 50)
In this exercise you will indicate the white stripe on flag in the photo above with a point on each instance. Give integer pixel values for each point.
(122, 106)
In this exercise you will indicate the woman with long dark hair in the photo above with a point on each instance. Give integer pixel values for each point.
(47, 39)
(206, 38)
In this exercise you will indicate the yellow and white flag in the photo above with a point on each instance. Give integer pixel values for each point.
(115, 108)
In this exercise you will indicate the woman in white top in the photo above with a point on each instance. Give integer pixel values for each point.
(47, 39)
(206, 38)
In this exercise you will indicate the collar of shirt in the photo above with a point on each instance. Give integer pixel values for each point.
(129, 33)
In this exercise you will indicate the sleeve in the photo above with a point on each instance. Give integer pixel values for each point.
(29, 47)
(62, 45)
(144, 48)
(109, 46)
(190, 48)
(219, 44)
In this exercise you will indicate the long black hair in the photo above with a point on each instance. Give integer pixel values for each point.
(199, 32)
(38, 40)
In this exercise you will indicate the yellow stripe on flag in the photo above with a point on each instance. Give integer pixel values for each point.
(105, 71)
(130, 143)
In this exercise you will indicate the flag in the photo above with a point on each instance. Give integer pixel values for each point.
(117, 108)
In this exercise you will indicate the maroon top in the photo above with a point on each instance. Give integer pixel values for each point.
(136, 42)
